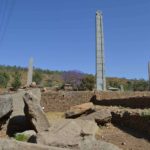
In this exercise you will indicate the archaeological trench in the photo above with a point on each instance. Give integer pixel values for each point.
(88, 120)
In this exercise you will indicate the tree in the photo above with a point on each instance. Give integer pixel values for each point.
(16, 81)
(73, 77)
(4, 79)
(49, 83)
(88, 83)
(37, 77)
(140, 85)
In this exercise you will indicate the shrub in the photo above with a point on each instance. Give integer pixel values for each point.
(37, 77)
(88, 83)
(16, 81)
(4, 78)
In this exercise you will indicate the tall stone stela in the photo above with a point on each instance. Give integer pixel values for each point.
(100, 64)
(30, 72)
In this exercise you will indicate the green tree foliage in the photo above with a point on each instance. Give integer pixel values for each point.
(88, 83)
(49, 83)
(4, 79)
(16, 81)
(129, 85)
(37, 77)
(77, 79)
(140, 85)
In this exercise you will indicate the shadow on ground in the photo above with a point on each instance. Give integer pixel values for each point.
(18, 124)
(138, 102)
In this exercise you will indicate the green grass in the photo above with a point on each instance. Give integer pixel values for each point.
(21, 137)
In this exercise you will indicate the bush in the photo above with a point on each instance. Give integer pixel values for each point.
(16, 81)
(37, 77)
(4, 78)
(88, 83)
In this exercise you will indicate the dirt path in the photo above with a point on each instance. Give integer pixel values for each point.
(123, 139)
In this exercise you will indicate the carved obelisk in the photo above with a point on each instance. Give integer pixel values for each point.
(100, 64)
(30, 72)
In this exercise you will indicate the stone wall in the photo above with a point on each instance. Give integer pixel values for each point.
(136, 120)
(124, 99)
(62, 100)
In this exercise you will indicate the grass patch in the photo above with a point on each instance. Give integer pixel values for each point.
(21, 137)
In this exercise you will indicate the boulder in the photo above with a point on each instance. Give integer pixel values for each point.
(78, 110)
(18, 104)
(44, 90)
(15, 145)
(101, 117)
(18, 122)
(33, 85)
(34, 113)
(68, 133)
(6, 105)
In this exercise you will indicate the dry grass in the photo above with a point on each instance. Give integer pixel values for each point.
(54, 116)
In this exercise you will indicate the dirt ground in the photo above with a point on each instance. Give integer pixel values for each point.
(122, 138)
(3, 134)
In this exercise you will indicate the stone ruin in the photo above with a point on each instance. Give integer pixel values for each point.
(22, 114)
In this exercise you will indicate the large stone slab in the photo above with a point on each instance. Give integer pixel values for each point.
(34, 113)
(78, 110)
(18, 121)
(6, 105)
(18, 104)
(15, 145)
(101, 117)
(90, 143)
(67, 133)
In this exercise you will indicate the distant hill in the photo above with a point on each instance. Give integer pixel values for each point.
(79, 80)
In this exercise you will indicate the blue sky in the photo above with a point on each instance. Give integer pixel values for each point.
(60, 35)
